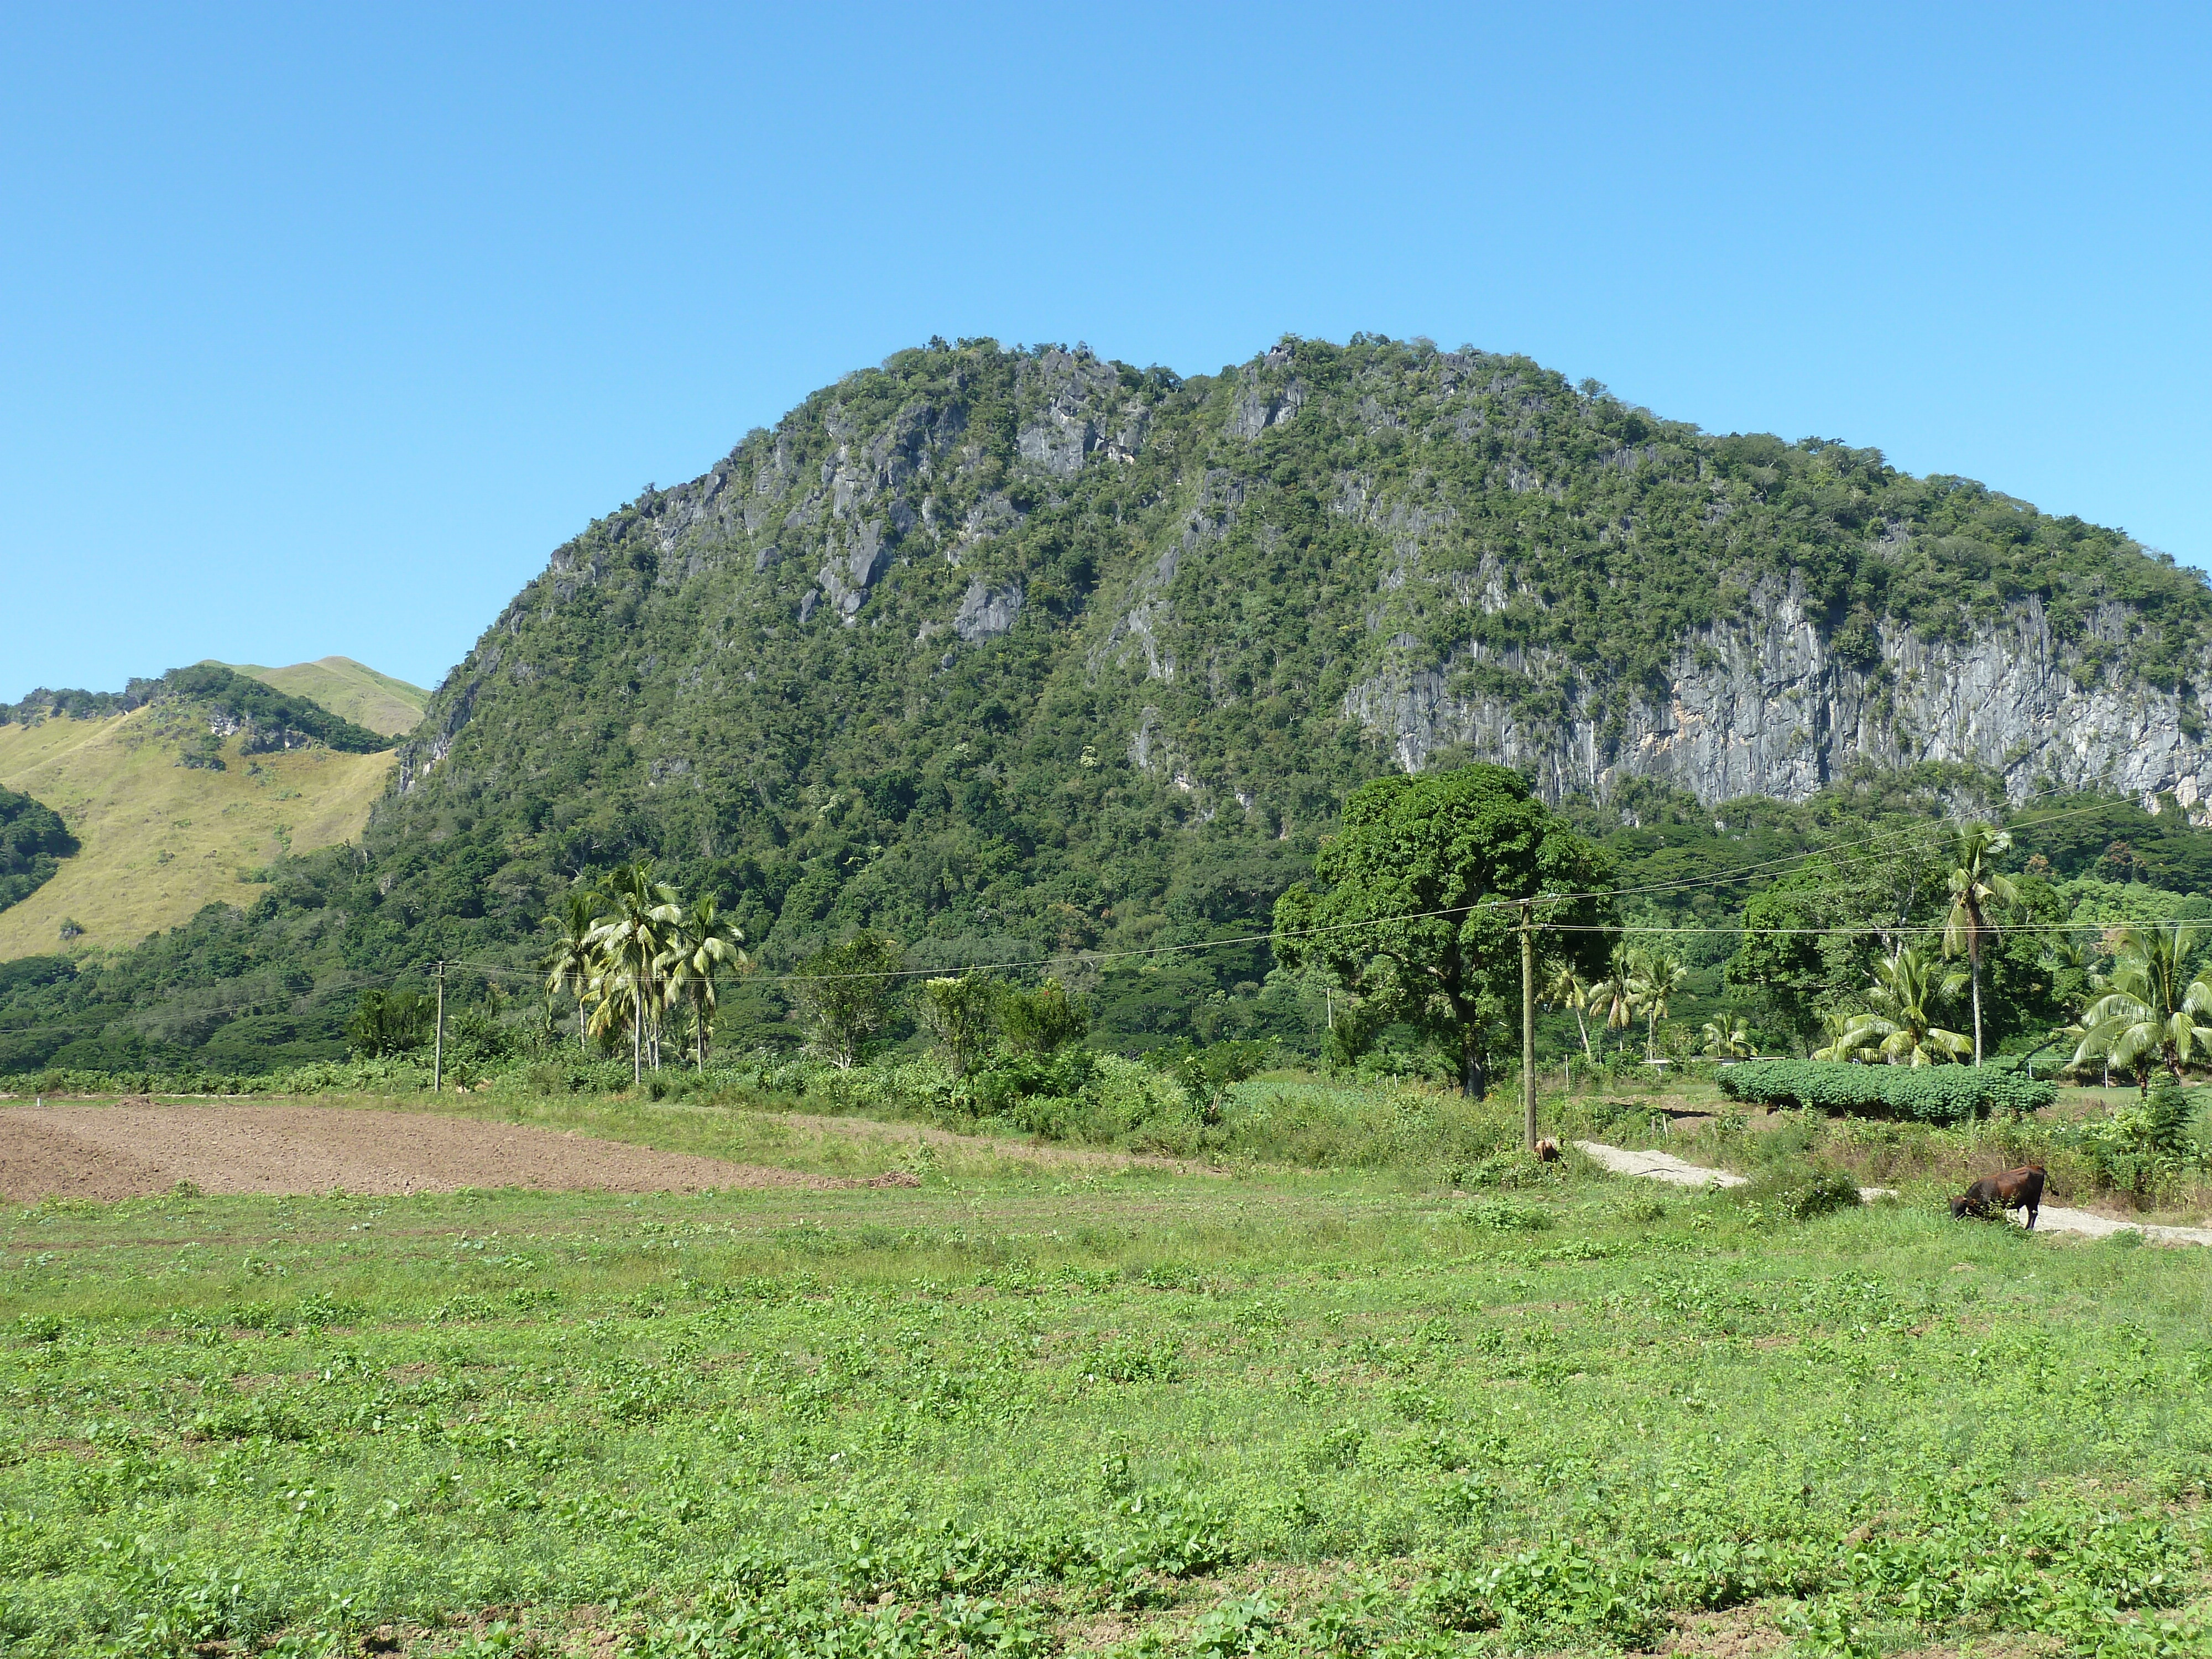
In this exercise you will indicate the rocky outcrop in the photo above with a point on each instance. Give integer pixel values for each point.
(845, 579)
(985, 613)
(1230, 571)
(1771, 710)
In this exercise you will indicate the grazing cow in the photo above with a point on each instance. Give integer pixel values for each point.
(2015, 1190)
(1547, 1151)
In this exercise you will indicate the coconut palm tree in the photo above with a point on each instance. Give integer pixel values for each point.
(2149, 1016)
(1658, 976)
(1566, 990)
(701, 945)
(1727, 1037)
(1900, 1024)
(607, 998)
(629, 942)
(1836, 1026)
(568, 962)
(1976, 887)
(1615, 996)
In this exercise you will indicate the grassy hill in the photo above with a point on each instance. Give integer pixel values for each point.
(160, 840)
(347, 688)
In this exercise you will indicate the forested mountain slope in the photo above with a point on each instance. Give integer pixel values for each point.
(976, 586)
(1021, 652)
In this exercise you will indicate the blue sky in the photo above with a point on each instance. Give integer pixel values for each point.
(320, 327)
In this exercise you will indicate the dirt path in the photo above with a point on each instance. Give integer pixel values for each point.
(134, 1149)
(1658, 1166)
(1664, 1166)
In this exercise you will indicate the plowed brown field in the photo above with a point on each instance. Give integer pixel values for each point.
(107, 1152)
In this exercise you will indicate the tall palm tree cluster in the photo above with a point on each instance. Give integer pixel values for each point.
(638, 960)
(2145, 1013)
(1639, 981)
(2151, 1010)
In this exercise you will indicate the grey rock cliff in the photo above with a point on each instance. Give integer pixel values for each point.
(1768, 710)
(985, 613)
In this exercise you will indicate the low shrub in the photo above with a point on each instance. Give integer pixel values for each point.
(1496, 1215)
(1800, 1193)
(1930, 1094)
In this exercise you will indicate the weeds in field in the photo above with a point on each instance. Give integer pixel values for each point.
(965, 1419)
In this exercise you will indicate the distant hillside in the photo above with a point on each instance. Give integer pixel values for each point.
(211, 694)
(172, 793)
(349, 689)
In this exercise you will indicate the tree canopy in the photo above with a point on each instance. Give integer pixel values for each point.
(1415, 910)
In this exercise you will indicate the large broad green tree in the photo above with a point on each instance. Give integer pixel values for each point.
(961, 1013)
(1414, 904)
(848, 993)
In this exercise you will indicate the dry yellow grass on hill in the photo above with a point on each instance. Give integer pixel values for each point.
(349, 690)
(159, 841)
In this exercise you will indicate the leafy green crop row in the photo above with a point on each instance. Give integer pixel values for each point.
(1932, 1094)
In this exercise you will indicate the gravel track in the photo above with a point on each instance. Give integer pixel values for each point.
(2052, 1217)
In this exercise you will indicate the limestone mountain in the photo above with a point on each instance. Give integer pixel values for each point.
(1025, 652)
(1084, 610)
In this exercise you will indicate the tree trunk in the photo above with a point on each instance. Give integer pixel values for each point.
(636, 1038)
(1473, 1077)
(1582, 1028)
(1974, 967)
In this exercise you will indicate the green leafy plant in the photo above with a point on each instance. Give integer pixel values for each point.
(2149, 1016)
(1931, 1095)
(1041, 1021)
(961, 1014)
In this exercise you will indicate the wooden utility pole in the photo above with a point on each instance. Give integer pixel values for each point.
(1528, 1027)
(438, 1043)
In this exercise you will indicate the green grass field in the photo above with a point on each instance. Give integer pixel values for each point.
(1032, 1405)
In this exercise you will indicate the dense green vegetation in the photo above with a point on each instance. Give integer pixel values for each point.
(33, 837)
(1029, 1405)
(1022, 657)
(274, 986)
(1416, 919)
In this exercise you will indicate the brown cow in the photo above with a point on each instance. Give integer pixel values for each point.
(2015, 1190)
